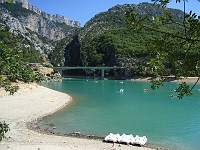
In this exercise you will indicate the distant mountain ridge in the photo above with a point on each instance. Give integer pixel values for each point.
(56, 18)
(35, 31)
(18, 18)
(108, 40)
(115, 17)
(105, 40)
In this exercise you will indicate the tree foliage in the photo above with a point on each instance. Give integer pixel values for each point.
(3, 129)
(12, 68)
(14, 55)
(107, 47)
(177, 51)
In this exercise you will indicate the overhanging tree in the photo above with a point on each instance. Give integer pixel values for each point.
(176, 51)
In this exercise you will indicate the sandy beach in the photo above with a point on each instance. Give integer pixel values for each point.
(189, 80)
(32, 102)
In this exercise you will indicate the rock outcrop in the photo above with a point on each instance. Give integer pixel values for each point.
(41, 44)
(55, 18)
(54, 27)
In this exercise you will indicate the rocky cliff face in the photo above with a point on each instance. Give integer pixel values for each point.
(23, 2)
(55, 18)
(43, 26)
(54, 27)
(41, 44)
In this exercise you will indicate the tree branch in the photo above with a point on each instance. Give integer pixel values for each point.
(195, 84)
(184, 21)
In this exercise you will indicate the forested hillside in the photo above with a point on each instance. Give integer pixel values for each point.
(108, 40)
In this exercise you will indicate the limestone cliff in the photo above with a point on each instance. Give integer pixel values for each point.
(54, 27)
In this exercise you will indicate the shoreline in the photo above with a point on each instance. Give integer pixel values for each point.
(34, 127)
(31, 103)
(189, 80)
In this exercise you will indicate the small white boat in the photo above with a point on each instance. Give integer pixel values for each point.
(121, 90)
(123, 138)
(137, 140)
(140, 140)
(112, 138)
(127, 139)
(143, 140)
(108, 138)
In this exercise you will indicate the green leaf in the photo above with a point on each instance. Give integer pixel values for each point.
(183, 90)
(3, 129)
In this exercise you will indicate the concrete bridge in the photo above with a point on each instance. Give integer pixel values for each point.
(60, 69)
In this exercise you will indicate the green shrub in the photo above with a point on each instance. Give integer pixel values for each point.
(10, 1)
(4, 82)
(13, 68)
(3, 129)
(11, 89)
(38, 77)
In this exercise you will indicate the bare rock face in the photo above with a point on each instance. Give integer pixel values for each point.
(18, 28)
(43, 26)
(56, 18)
(24, 3)
(50, 26)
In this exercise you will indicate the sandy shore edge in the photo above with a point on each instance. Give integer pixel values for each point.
(33, 102)
(189, 80)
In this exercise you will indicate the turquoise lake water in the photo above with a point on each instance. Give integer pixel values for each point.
(99, 108)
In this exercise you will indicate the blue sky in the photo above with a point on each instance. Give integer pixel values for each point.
(84, 10)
